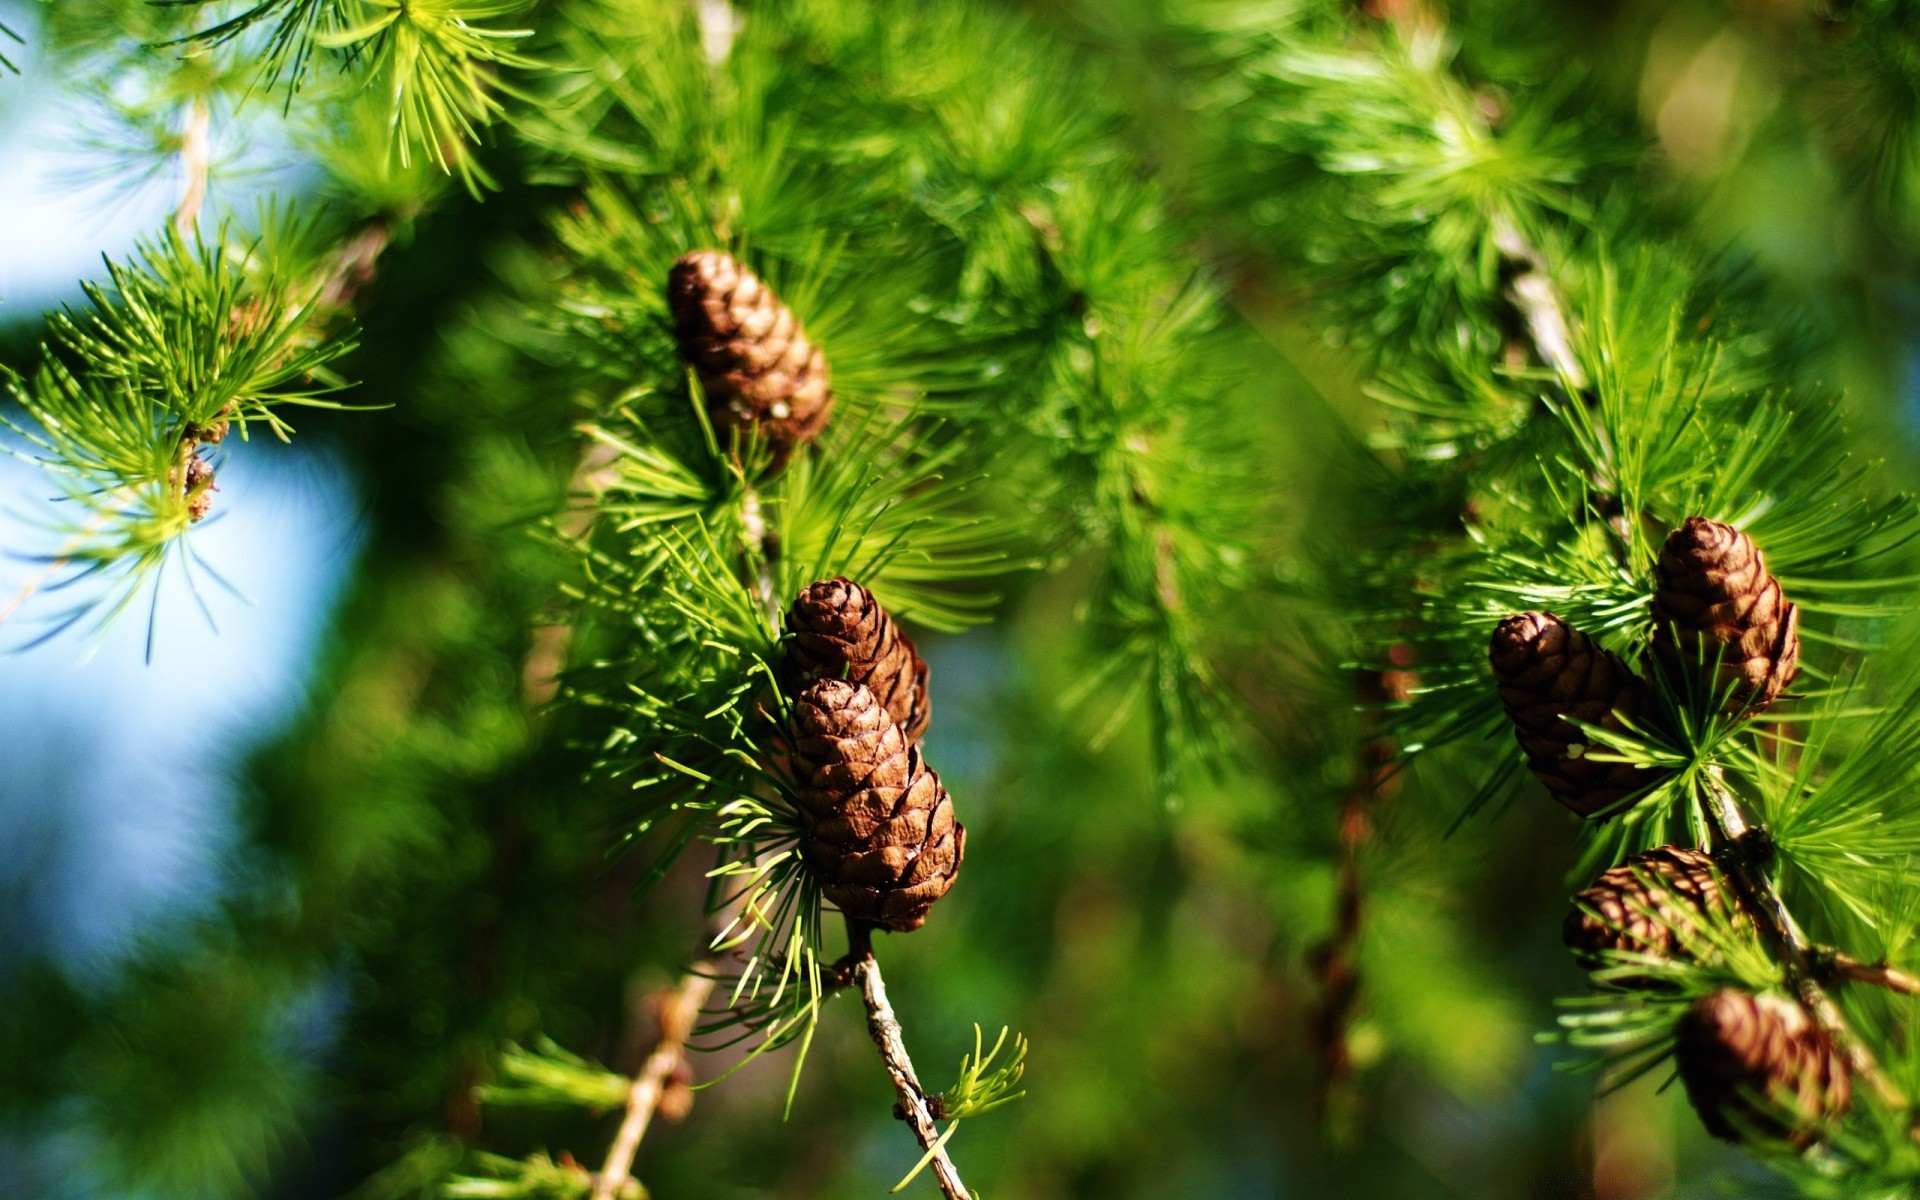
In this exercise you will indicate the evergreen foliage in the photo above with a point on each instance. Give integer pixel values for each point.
(1224, 371)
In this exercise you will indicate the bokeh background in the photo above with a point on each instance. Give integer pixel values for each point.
(310, 863)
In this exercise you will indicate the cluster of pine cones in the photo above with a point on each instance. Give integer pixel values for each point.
(878, 828)
(1756, 1067)
(1720, 622)
(879, 832)
(196, 482)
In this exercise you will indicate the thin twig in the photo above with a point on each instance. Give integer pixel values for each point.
(761, 548)
(1337, 959)
(353, 267)
(678, 1012)
(593, 473)
(1845, 966)
(914, 1103)
(1758, 895)
(1534, 296)
(196, 163)
(719, 25)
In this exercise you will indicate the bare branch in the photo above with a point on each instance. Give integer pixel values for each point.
(915, 1106)
(679, 1009)
(1532, 293)
(1845, 966)
(196, 163)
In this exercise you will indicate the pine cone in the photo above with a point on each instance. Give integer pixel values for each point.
(1643, 906)
(212, 433)
(1548, 671)
(879, 831)
(841, 632)
(1732, 1047)
(199, 488)
(758, 368)
(1714, 600)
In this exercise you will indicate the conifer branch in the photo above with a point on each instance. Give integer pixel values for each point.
(196, 164)
(1530, 287)
(1534, 296)
(1746, 847)
(1337, 957)
(678, 1011)
(1879, 974)
(915, 1106)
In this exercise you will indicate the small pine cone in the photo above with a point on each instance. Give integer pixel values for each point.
(199, 488)
(756, 364)
(212, 433)
(841, 632)
(1735, 1050)
(879, 831)
(1644, 906)
(1714, 600)
(1548, 671)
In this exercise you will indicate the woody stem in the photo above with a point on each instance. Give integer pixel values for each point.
(753, 523)
(1845, 966)
(196, 162)
(884, 1027)
(678, 1011)
(1761, 899)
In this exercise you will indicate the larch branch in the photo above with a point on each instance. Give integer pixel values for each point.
(1762, 902)
(1534, 296)
(914, 1106)
(679, 1009)
(196, 164)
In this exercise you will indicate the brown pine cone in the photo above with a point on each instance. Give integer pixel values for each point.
(212, 433)
(758, 368)
(1732, 1047)
(1644, 906)
(1715, 601)
(199, 488)
(879, 830)
(841, 632)
(1547, 671)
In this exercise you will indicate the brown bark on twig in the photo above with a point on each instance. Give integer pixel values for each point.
(196, 163)
(1756, 892)
(915, 1106)
(678, 1010)
(1336, 960)
(1845, 966)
